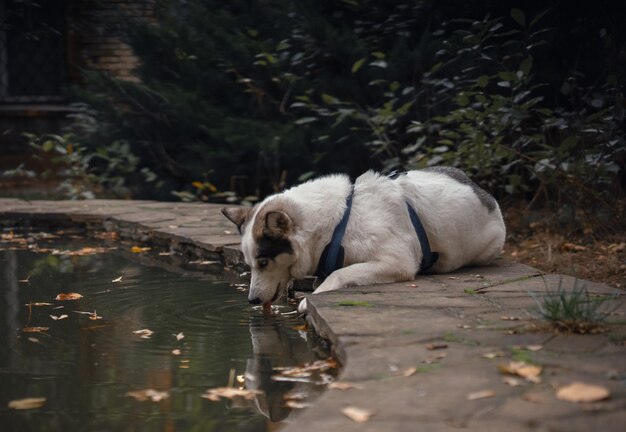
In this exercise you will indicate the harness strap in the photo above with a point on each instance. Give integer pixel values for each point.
(428, 258)
(333, 254)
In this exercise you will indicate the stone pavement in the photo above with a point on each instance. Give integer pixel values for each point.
(422, 355)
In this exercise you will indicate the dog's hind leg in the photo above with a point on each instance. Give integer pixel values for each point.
(364, 274)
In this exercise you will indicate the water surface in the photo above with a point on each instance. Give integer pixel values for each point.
(205, 335)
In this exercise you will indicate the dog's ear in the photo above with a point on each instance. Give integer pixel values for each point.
(237, 215)
(278, 224)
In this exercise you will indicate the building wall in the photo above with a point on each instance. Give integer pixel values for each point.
(93, 39)
(98, 27)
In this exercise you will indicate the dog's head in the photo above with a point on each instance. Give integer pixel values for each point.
(267, 244)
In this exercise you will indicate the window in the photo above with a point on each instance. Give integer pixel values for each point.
(32, 51)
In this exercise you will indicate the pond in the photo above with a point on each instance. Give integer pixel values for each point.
(141, 346)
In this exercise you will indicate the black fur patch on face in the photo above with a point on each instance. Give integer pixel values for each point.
(271, 247)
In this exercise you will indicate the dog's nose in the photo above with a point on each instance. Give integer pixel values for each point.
(255, 300)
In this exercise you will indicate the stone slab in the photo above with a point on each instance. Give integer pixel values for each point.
(481, 318)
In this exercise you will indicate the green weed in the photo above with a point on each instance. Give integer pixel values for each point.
(575, 310)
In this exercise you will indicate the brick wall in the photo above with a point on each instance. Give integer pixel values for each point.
(97, 32)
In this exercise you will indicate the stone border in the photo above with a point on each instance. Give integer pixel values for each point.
(422, 355)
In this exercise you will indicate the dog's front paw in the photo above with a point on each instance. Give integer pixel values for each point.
(302, 306)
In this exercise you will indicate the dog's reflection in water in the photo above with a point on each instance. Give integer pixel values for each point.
(276, 345)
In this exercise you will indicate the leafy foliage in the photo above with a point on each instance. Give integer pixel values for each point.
(83, 171)
(252, 96)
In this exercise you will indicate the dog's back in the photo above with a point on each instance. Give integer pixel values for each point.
(463, 222)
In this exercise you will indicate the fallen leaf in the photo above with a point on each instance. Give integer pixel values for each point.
(509, 318)
(342, 385)
(176, 351)
(148, 394)
(215, 394)
(119, 279)
(33, 339)
(179, 336)
(453, 278)
(94, 316)
(492, 355)
(412, 285)
(38, 304)
(139, 249)
(303, 327)
(68, 296)
(296, 405)
(436, 346)
(409, 371)
(512, 381)
(528, 371)
(581, 392)
(144, 333)
(434, 358)
(57, 318)
(35, 329)
(27, 403)
(356, 414)
(618, 248)
(534, 347)
(571, 247)
(483, 394)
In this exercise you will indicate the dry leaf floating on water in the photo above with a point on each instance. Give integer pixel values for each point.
(215, 394)
(179, 336)
(148, 395)
(68, 296)
(139, 249)
(119, 279)
(144, 333)
(35, 329)
(27, 403)
(58, 318)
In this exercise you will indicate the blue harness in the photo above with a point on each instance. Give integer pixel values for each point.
(333, 254)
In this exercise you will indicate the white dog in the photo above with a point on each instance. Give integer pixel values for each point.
(379, 230)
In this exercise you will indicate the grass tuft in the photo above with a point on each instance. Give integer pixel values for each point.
(355, 303)
(575, 310)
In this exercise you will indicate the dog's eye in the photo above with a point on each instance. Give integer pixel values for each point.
(263, 263)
